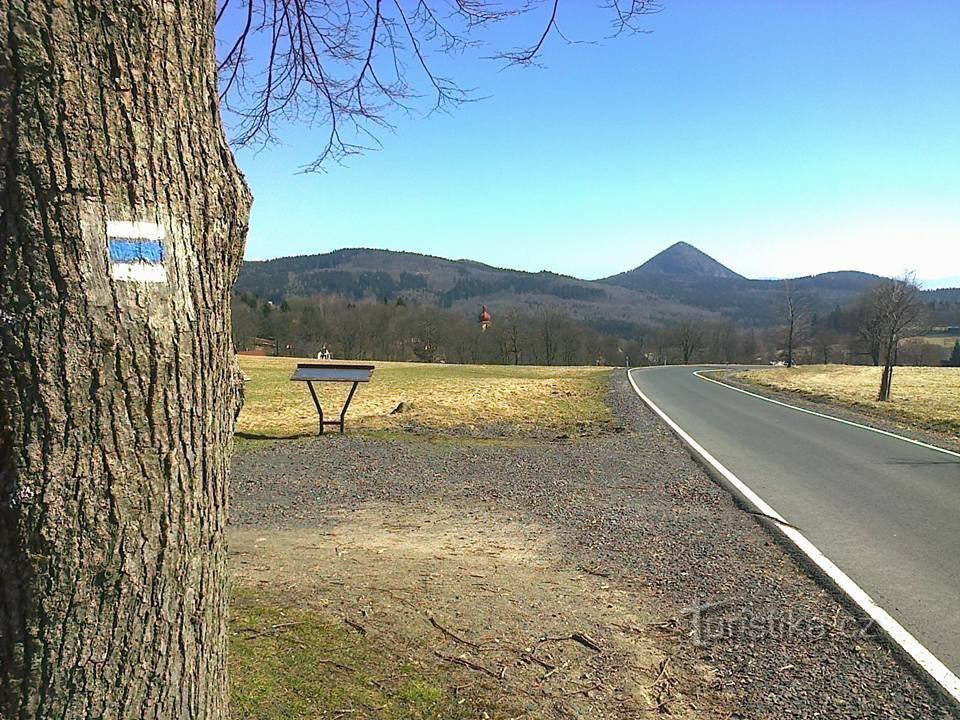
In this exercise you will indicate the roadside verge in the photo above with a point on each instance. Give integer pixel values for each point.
(856, 415)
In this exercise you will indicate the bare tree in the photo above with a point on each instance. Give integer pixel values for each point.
(689, 338)
(869, 328)
(722, 341)
(571, 340)
(897, 313)
(826, 340)
(123, 218)
(917, 352)
(549, 326)
(795, 314)
(510, 333)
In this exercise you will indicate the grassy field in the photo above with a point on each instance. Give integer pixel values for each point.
(435, 397)
(291, 664)
(925, 396)
(946, 341)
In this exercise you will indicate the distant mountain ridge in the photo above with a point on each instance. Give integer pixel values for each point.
(677, 282)
(680, 259)
(946, 283)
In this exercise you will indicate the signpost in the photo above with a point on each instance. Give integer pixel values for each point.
(332, 372)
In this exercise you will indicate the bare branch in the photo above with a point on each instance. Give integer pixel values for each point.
(346, 65)
(526, 56)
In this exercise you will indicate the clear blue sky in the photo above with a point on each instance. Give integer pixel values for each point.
(783, 137)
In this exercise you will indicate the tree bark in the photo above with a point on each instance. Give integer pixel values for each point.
(117, 386)
(886, 378)
(790, 331)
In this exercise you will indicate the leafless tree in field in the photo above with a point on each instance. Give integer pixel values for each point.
(917, 352)
(795, 314)
(826, 340)
(690, 336)
(118, 384)
(869, 328)
(897, 313)
(511, 338)
(547, 335)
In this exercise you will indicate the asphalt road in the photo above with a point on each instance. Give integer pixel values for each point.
(887, 512)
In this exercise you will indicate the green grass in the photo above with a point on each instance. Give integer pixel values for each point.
(288, 663)
(435, 397)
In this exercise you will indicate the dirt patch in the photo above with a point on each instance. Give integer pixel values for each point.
(490, 600)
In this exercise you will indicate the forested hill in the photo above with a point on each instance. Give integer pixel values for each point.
(680, 281)
(361, 273)
(381, 275)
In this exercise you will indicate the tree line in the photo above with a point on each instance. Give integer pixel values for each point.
(407, 331)
(404, 330)
(884, 326)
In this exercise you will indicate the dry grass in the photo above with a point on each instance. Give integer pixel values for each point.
(439, 397)
(945, 341)
(290, 663)
(500, 585)
(927, 396)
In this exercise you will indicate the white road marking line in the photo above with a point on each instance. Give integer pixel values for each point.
(828, 417)
(894, 630)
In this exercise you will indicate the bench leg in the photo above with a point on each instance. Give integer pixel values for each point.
(343, 413)
(316, 401)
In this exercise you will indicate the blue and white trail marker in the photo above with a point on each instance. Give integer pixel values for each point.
(137, 253)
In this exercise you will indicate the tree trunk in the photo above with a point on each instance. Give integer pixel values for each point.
(123, 221)
(886, 378)
(885, 381)
(790, 343)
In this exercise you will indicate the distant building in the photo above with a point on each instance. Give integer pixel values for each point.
(262, 346)
(485, 319)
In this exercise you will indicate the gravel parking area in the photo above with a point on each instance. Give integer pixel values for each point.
(633, 508)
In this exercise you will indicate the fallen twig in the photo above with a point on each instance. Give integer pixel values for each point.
(356, 626)
(469, 664)
(452, 636)
(663, 671)
(597, 572)
(530, 657)
(281, 626)
(584, 640)
(771, 518)
(628, 628)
